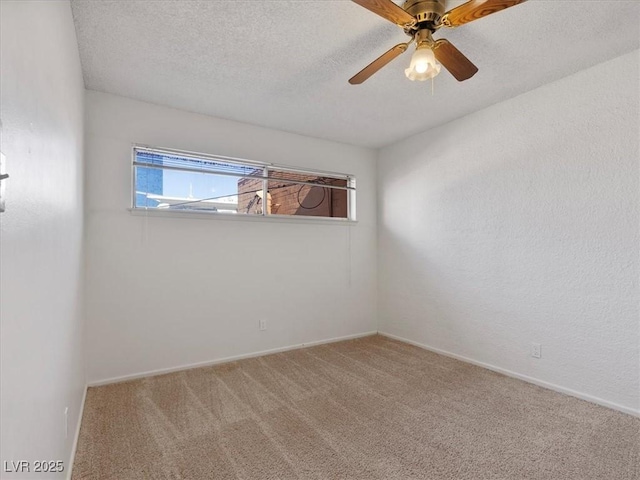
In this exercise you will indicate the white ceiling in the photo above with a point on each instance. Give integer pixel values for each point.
(285, 64)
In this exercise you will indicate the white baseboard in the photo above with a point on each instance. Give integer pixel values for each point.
(76, 436)
(208, 363)
(526, 378)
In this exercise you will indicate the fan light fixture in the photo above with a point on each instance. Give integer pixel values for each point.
(423, 64)
(420, 19)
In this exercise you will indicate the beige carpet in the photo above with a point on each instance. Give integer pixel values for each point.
(371, 408)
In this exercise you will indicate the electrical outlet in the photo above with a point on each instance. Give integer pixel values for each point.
(536, 350)
(66, 422)
(263, 324)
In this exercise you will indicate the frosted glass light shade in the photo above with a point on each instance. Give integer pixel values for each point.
(423, 65)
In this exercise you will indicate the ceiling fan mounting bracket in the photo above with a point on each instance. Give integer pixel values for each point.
(427, 14)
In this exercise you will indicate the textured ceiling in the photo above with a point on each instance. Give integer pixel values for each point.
(285, 64)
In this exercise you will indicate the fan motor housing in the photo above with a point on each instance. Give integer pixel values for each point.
(427, 12)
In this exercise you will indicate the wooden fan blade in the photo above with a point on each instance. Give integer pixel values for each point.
(453, 60)
(475, 9)
(378, 63)
(387, 9)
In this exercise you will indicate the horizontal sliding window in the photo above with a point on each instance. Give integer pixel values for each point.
(184, 181)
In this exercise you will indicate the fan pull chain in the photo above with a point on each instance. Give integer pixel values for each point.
(433, 82)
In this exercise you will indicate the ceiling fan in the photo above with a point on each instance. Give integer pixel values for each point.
(420, 19)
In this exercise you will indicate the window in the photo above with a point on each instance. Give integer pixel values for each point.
(182, 181)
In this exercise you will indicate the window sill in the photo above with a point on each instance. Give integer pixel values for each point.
(152, 212)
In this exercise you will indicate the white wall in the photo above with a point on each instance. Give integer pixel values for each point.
(163, 292)
(519, 224)
(41, 232)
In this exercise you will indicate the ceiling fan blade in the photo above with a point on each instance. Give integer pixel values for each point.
(453, 60)
(389, 10)
(378, 63)
(475, 9)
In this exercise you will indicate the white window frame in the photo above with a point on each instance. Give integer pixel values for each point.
(266, 167)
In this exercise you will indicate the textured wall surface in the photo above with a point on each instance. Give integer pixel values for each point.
(169, 291)
(40, 233)
(519, 224)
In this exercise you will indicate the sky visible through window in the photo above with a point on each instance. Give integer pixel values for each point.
(153, 182)
(198, 185)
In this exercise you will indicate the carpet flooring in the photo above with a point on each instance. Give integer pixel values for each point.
(371, 408)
